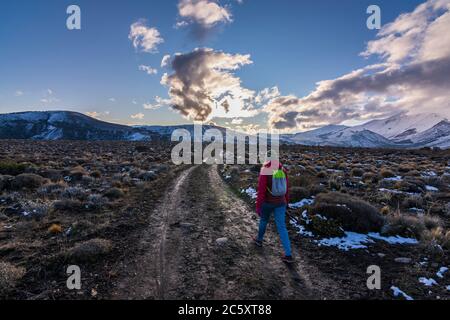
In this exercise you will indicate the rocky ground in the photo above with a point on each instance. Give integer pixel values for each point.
(142, 228)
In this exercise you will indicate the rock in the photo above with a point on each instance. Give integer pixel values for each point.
(403, 260)
(221, 241)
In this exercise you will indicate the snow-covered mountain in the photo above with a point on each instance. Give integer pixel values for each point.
(400, 131)
(437, 136)
(402, 127)
(314, 137)
(64, 125)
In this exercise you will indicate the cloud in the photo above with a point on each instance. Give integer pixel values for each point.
(237, 121)
(413, 75)
(144, 38)
(202, 15)
(97, 115)
(149, 70)
(49, 97)
(18, 93)
(93, 114)
(266, 95)
(203, 85)
(165, 61)
(137, 116)
(159, 103)
(112, 99)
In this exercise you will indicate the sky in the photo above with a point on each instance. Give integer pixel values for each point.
(246, 64)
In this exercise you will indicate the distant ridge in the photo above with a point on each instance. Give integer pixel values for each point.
(399, 131)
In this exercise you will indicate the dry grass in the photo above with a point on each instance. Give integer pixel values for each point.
(353, 213)
(9, 276)
(89, 251)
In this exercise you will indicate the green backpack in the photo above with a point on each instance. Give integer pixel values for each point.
(279, 183)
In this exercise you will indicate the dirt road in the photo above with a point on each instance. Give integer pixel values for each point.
(198, 245)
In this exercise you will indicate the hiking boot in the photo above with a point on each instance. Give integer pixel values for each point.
(257, 242)
(287, 259)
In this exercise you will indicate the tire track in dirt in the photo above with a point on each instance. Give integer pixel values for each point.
(144, 276)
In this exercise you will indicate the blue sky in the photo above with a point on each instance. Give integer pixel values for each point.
(292, 44)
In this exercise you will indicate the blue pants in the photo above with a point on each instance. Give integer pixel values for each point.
(280, 220)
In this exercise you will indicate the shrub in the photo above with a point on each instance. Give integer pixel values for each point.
(55, 229)
(437, 236)
(77, 173)
(298, 193)
(89, 251)
(409, 225)
(5, 182)
(412, 202)
(325, 228)
(27, 181)
(315, 189)
(386, 173)
(95, 202)
(12, 168)
(432, 222)
(335, 183)
(148, 176)
(33, 209)
(52, 189)
(52, 174)
(404, 168)
(303, 180)
(9, 276)
(67, 205)
(114, 193)
(352, 213)
(357, 172)
(75, 193)
(404, 225)
(386, 210)
(96, 174)
(322, 175)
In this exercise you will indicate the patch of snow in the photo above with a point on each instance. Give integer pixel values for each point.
(428, 282)
(301, 229)
(353, 240)
(397, 178)
(432, 189)
(441, 272)
(448, 288)
(302, 203)
(397, 192)
(393, 239)
(251, 192)
(429, 173)
(137, 137)
(397, 292)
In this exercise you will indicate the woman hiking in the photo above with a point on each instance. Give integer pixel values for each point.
(273, 197)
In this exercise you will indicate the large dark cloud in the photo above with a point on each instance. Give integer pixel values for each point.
(203, 82)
